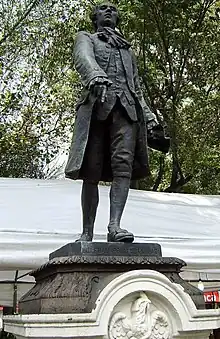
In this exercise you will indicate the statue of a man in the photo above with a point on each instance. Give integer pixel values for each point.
(112, 120)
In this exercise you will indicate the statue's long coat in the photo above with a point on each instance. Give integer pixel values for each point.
(91, 56)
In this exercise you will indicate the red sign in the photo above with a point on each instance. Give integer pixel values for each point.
(211, 297)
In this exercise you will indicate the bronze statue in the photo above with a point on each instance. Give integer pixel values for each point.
(112, 122)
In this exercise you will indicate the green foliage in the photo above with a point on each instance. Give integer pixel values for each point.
(177, 47)
(38, 84)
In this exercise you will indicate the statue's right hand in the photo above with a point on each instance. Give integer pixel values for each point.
(98, 87)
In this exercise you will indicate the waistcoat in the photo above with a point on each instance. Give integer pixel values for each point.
(119, 88)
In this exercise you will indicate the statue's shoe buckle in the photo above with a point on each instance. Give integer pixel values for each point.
(120, 235)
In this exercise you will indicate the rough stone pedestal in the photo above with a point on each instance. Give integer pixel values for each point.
(72, 280)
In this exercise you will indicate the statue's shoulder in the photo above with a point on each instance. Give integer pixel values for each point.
(84, 34)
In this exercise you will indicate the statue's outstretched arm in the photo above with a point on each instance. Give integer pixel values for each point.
(84, 59)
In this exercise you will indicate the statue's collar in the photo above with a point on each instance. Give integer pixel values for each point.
(113, 37)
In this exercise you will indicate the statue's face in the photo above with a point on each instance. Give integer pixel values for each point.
(106, 15)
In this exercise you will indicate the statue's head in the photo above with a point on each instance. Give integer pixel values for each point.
(105, 15)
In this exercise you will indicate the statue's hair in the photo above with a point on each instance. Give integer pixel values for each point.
(93, 14)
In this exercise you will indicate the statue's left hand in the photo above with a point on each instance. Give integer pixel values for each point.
(156, 137)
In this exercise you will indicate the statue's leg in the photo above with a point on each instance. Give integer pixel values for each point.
(118, 197)
(123, 138)
(89, 201)
(90, 172)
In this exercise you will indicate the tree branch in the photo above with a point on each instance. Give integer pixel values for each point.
(165, 45)
(160, 174)
(17, 24)
(178, 185)
(206, 5)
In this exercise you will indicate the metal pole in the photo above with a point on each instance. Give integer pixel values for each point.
(15, 295)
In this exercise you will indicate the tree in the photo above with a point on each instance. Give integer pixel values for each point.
(176, 42)
(38, 84)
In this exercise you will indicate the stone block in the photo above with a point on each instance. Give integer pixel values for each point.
(107, 249)
(71, 281)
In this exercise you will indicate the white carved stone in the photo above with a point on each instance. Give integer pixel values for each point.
(139, 319)
(135, 304)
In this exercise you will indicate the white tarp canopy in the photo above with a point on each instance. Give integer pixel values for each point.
(39, 216)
